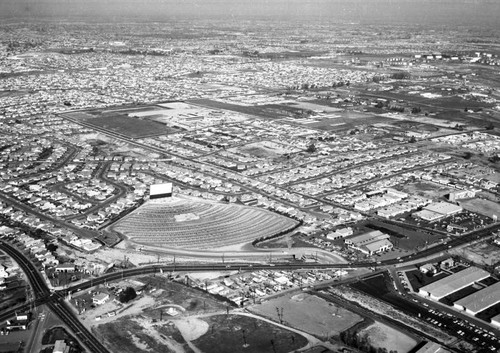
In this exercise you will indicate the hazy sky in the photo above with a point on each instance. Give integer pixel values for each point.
(414, 11)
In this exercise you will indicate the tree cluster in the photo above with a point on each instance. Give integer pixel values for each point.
(127, 295)
(361, 342)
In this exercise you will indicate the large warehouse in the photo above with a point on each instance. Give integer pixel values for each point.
(453, 283)
(479, 301)
(158, 191)
(495, 321)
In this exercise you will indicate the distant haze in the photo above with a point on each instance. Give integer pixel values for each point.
(446, 12)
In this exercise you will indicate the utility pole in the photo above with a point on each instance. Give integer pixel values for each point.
(245, 344)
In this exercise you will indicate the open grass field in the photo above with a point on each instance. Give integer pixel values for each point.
(382, 336)
(481, 206)
(309, 313)
(236, 333)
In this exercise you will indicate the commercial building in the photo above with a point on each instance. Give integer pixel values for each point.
(479, 301)
(448, 285)
(159, 191)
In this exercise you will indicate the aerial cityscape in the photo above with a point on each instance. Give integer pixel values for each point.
(235, 176)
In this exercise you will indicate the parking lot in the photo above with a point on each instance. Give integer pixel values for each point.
(447, 319)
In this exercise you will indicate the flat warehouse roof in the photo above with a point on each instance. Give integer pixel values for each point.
(496, 318)
(159, 189)
(481, 300)
(445, 208)
(454, 282)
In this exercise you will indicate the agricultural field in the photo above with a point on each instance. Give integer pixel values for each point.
(308, 313)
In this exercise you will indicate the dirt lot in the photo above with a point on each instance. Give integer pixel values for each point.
(142, 336)
(267, 149)
(484, 207)
(158, 295)
(308, 313)
(480, 253)
(383, 336)
(236, 333)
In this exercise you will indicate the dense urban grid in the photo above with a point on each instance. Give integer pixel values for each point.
(243, 186)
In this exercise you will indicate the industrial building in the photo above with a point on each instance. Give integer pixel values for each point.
(438, 210)
(448, 285)
(159, 191)
(444, 208)
(479, 301)
(370, 243)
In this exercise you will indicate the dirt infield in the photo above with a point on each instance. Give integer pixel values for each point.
(382, 336)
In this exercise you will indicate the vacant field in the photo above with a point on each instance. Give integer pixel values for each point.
(133, 335)
(309, 313)
(60, 333)
(125, 125)
(194, 301)
(481, 206)
(237, 333)
(382, 336)
(267, 149)
(426, 189)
